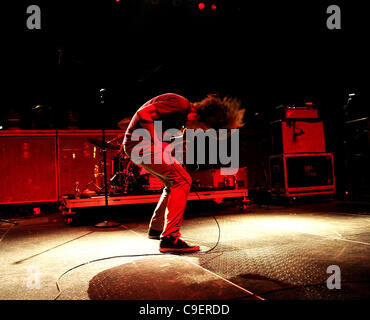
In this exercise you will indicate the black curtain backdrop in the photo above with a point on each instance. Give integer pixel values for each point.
(266, 53)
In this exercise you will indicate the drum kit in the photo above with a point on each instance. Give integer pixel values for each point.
(126, 177)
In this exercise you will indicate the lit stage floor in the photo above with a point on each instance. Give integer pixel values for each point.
(275, 253)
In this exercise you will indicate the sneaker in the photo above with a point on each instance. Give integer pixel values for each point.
(170, 244)
(154, 234)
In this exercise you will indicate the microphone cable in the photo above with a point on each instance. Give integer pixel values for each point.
(218, 225)
(142, 254)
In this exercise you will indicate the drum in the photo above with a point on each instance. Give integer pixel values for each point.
(126, 177)
(153, 183)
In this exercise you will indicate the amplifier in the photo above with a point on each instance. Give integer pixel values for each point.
(297, 136)
(213, 179)
(307, 111)
(209, 179)
(302, 174)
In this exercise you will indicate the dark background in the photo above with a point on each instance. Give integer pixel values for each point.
(266, 53)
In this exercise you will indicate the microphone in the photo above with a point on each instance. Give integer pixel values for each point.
(102, 94)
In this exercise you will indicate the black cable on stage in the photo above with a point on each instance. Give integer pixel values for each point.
(139, 255)
(13, 224)
(129, 256)
(100, 259)
(218, 226)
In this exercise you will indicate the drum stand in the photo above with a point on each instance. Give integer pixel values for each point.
(117, 175)
(99, 172)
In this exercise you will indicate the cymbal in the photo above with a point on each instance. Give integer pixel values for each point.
(103, 144)
(124, 123)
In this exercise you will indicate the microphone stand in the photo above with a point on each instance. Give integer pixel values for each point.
(106, 223)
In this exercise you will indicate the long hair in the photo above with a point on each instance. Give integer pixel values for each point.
(220, 113)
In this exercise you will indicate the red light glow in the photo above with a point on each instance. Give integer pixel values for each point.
(213, 7)
(309, 103)
(201, 6)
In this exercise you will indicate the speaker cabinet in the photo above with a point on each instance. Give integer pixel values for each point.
(295, 136)
(294, 175)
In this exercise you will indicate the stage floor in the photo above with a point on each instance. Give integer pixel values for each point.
(271, 253)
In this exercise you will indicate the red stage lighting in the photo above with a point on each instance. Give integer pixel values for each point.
(213, 6)
(201, 5)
